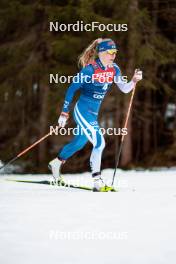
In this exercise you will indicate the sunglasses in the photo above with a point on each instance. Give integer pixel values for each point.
(112, 51)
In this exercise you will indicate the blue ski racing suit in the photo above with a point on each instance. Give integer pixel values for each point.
(94, 81)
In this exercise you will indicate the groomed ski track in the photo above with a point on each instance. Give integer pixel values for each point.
(50, 224)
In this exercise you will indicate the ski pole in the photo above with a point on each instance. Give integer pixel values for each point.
(25, 150)
(123, 136)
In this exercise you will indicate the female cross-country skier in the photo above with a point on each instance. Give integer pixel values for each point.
(98, 73)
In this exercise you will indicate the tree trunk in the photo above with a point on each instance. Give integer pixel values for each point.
(146, 134)
(126, 156)
(43, 123)
(150, 124)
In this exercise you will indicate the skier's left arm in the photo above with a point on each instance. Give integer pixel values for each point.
(126, 87)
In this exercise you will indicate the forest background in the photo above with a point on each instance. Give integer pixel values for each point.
(29, 52)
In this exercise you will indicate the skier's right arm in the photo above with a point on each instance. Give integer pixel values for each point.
(68, 99)
(75, 86)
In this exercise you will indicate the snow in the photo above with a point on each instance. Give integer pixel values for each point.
(43, 223)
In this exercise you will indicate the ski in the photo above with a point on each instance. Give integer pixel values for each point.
(60, 184)
(64, 184)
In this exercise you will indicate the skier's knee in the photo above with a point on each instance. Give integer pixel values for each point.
(80, 145)
(101, 145)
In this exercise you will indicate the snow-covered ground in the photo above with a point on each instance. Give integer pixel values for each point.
(49, 224)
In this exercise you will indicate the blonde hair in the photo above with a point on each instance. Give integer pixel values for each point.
(90, 53)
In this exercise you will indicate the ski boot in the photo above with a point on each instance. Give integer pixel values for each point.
(55, 165)
(99, 185)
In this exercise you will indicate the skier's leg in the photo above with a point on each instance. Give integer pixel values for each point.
(95, 161)
(98, 147)
(77, 143)
(89, 125)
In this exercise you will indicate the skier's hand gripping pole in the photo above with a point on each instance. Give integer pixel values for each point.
(62, 121)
